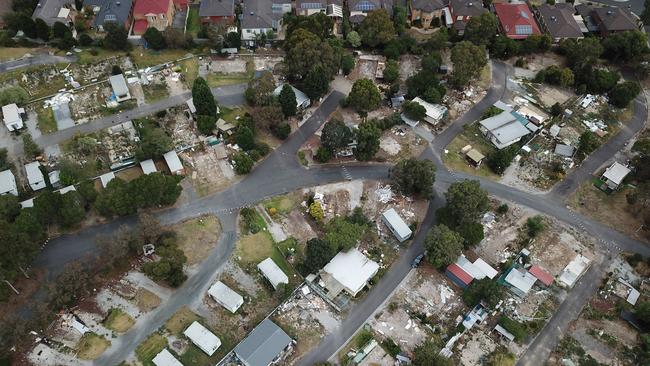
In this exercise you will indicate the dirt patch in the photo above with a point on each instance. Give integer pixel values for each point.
(181, 320)
(197, 237)
(208, 172)
(474, 350)
(91, 346)
(297, 226)
(399, 143)
(146, 300)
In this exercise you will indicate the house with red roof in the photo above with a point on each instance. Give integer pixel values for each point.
(516, 20)
(541, 274)
(157, 14)
(458, 275)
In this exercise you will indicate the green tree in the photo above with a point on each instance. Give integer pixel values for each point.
(85, 40)
(535, 225)
(206, 124)
(503, 47)
(376, 29)
(472, 233)
(72, 284)
(243, 163)
(232, 40)
(516, 328)
(414, 110)
(46, 206)
(305, 51)
(13, 94)
(319, 24)
(587, 143)
(354, 39)
(114, 200)
(622, 94)
(443, 246)
(203, 98)
(581, 52)
(342, 234)
(485, 290)
(260, 90)
(318, 253)
(154, 190)
(468, 60)
(244, 138)
(116, 37)
(500, 357)
(481, 30)
(42, 29)
(154, 38)
(431, 62)
(335, 135)
(466, 201)
(316, 211)
(399, 19)
(414, 177)
(287, 99)
(427, 354)
(87, 190)
(347, 64)
(72, 211)
(60, 30)
(316, 83)
(367, 141)
(32, 150)
(625, 46)
(269, 117)
(424, 80)
(391, 72)
(154, 142)
(364, 96)
(642, 312)
(29, 223)
(9, 207)
(500, 160)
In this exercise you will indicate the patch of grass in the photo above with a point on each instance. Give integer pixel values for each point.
(155, 92)
(46, 121)
(86, 57)
(194, 356)
(151, 346)
(455, 160)
(145, 58)
(255, 248)
(193, 25)
(302, 158)
(91, 346)
(220, 79)
(119, 321)
(14, 53)
(230, 115)
(146, 300)
(181, 320)
(190, 69)
(197, 237)
(282, 204)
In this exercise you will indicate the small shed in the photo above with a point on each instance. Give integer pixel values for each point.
(27, 203)
(396, 225)
(55, 178)
(475, 157)
(272, 272)
(202, 338)
(148, 166)
(614, 175)
(8, 183)
(67, 189)
(225, 296)
(458, 275)
(501, 330)
(165, 358)
(105, 178)
(35, 176)
(564, 150)
(174, 163)
(541, 274)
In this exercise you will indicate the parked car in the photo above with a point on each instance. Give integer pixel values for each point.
(417, 260)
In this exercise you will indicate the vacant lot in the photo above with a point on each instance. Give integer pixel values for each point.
(455, 159)
(197, 237)
(119, 321)
(255, 248)
(148, 349)
(181, 320)
(91, 346)
(146, 300)
(46, 121)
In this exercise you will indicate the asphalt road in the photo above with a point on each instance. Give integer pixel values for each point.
(34, 61)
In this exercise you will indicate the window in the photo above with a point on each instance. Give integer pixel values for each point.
(311, 5)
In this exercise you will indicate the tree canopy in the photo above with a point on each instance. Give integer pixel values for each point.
(482, 29)
(260, 90)
(335, 135)
(116, 37)
(367, 141)
(154, 38)
(468, 60)
(485, 290)
(364, 96)
(203, 98)
(414, 177)
(466, 201)
(376, 29)
(443, 246)
(622, 94)
(287, 99)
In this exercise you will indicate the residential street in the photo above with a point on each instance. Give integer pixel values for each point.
(34, 61)
(281, 172)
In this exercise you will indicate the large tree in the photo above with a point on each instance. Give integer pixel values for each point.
(305, 50)
(468, 59)
(318, 253)
(72, 210)
(466, 201)
(622, 94)
(287, 99)
(206, 124)
(335, 135)
(414, 110)
(319, 24)
(367, 141)
(9, 207)
(364, 96)
(342, 234)
(582, 51)
(316, 83)
(154, 38)
(376, 29)
(203, 98)
(391, 72)
(485, 290)
(42, 29)
(116, 37)
(443, 246)
(427, 353)
(481, 30)
(260, 90)
(625, 46)
(154, 142)
(414, 177)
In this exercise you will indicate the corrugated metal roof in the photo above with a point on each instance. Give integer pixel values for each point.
(541, 274)
(460, 273)
(263, 344)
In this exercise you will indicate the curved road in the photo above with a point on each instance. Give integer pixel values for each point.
(280, 173)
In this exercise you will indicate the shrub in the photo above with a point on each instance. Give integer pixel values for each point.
(316, 211)
(535, 225)
(323, 155)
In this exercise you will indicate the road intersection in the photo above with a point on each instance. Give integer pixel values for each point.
(281, 172)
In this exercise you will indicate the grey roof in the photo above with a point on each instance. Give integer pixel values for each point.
(471, 8)
(614, 19)
(427, 6)
(564, 150)
(7, 182)
(217, 8)
(310, 4)
(263, 344)
(48, 10)
(370, 5)
(559, 21)
(118, 83)
(117, 11)
(585, 12)
(511, 131)
(257, 14)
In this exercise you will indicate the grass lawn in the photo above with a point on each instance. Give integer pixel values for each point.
(91, 346)
(455, 160)
(146, 300)
(14, 53)
(155, 92)
(145, 58)
(282, 204)
(230, 115)
(197, 237)
(151, 346)
(194, 356)
(119, 321)
(219, 79)
(46, 121)
(86, 57)
(181, 320)
(255, 248)
(193, 25)
(190, 69)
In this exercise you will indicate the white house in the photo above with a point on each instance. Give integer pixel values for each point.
(615, 174)
(504, 129)
(202, 338)
(272, 272)
(12, 116)
(574, 270)
(520, 281)
(35, 176)
(8, 183)
(148, 166)
(302, 100)
(396, 225)
(120, 89)
(348, 271)
(174, 163)
(225, 296)
(165, 358)
(434, 112)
